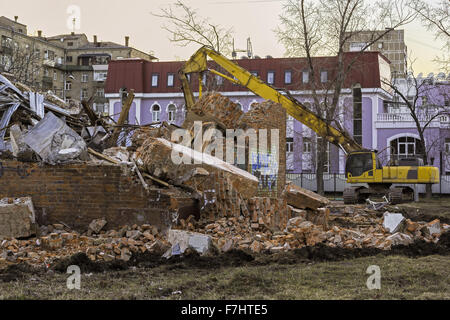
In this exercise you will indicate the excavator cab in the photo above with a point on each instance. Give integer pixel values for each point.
(358, 163)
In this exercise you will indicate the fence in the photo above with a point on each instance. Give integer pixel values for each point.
(336, 183)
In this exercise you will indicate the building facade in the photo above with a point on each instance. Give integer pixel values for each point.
(366, 110)
(69, 64)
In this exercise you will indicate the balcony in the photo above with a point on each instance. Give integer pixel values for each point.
(404, 120)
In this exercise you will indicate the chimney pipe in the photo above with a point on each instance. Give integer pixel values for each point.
(127, 41)
(95, 39)
(16, 18)
(40, 33)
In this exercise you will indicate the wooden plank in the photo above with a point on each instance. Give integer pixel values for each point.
(102, 156)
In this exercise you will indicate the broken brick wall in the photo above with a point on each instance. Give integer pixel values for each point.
(269, 115)
(75, 194)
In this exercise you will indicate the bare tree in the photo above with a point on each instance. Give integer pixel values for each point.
(426, 100)
(436, 18)
(186, 27)
(326, 27)
(23, 62)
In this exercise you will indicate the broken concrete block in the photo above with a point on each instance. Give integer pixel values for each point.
(20, 149)
(97, 225)
(200, 242)
(50, 136)
(304, 199)
(17, 218)
(155, 157)
(393, 221)
(400, 238)
(432, 228)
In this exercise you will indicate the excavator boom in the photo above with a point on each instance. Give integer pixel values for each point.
(198, 64)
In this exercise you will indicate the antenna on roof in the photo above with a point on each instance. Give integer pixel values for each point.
(74, 21)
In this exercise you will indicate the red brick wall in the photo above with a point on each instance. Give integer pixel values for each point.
(78, 193)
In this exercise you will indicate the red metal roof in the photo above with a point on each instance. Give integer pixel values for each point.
(137, 74)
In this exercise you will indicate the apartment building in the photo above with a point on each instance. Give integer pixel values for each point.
(392, 46)
(70, 65)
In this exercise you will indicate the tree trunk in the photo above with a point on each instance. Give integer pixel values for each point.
(321, 158)
(428, 191)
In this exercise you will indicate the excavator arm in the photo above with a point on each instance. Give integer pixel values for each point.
(198, 64)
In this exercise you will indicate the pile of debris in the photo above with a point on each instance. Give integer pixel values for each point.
(229, 214)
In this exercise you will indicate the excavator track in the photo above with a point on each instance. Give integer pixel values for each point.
(351, 196)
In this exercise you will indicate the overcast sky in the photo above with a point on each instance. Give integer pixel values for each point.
(112, 20)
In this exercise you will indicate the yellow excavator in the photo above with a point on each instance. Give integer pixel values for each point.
(362, 165)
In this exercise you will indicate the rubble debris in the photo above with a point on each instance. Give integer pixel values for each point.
(182, 240)
(304, 199)
(432, 228)
(118, 153)
(20, 149)
(155, 157)
(97, 225)
(17, 218)
(400, 238)
(393, 222)
(55, 142)
(377, 205)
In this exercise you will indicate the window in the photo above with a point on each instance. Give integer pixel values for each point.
(270, 77)
(170, 79)
(84, 93)
(155, 78)
(84, 77)
(6, 42)
(69, 59)
(55, 76)
(357, 114)
(305, 76)
(70, 44)
(306, 145)
(323, 76)
(289, 144)
(171, 112)
(68, 85)
(357, 46)
(156, 112)
(288, 77)
(101, 92)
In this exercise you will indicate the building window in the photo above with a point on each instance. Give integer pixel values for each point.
(55, 76)
(156, 112)
(170, 79)
(101, 92)
(270, 77)
(305, 76)
(84, 93)
(288, 77)
(68, 85)
(70, 44)
(306, 145)
(323, 76)
(289, 144)
(84, 77)
(357, 115)
(405, 147)
(155, 78)
(69, 59)
(6, 42)
(171, 112)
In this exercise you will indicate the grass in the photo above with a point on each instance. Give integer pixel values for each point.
(401, 278)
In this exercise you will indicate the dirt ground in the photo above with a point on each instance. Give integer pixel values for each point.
(418, 271)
